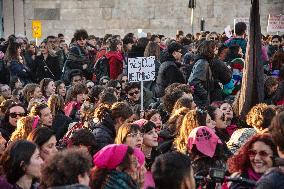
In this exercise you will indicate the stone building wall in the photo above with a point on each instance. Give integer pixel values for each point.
(121, 16)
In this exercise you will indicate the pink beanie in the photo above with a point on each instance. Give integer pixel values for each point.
(205, 140)
(110, 156)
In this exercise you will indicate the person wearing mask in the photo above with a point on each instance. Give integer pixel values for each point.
(169, 70)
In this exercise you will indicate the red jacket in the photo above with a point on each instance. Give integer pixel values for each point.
(115, 63)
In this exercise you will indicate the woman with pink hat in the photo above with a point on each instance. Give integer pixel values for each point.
(150, 142)
(118, 166)
(205, 151)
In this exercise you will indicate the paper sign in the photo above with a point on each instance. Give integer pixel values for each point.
(141, 69)
(36, 28)
(275, 23)
(228, 31)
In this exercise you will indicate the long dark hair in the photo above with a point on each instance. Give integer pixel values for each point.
(40, 135)
(16, 155)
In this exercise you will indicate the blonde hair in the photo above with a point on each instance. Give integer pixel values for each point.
(24, 128)
(55, 102)
(189, 122)
(255, 116)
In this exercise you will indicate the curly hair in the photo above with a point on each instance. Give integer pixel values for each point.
(36, 109)
(65, 167)
(175, 121)
(80, 34)
(24, 127)
(183, 102)
(240, 162)
(193, 119)
(277, 60)
(260, 116)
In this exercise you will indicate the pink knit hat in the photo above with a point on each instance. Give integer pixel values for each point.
(205, 140)
(110, 156)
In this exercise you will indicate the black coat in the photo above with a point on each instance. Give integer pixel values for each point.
(60, 124)
(201, 78)
(6, 130)
(272, 180)
(168, 74)
(104, 132)
(49, 68)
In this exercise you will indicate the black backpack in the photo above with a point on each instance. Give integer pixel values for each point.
(101, 68)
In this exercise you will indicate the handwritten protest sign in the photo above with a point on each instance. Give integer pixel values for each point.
(275, 23)
(141, 69)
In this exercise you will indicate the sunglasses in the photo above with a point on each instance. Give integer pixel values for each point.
(89, 87)
(124, 81)
(118, 88)
(131, 94)
(253, 153)
(14, 115)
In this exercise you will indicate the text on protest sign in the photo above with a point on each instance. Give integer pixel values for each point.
(141, 69)
(275, 23)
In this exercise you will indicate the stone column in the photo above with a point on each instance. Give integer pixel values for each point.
(13, 16)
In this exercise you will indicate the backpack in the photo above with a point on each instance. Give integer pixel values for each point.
(101, 68)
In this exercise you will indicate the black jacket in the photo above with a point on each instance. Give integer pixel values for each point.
(48, 68)
(202, 79)
(60, 124)
(168, 73)
(104, 132)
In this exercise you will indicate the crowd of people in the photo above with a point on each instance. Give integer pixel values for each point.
(70, 118)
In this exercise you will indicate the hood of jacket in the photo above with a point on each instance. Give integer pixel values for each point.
(114, 54)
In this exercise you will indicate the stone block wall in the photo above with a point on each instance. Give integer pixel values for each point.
(99, 17)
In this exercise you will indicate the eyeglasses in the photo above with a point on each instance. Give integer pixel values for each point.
(89, 87)
(135, 135)
(262, 153)
(14, 114)
(118, 88)
(135, 92)
(124, 81)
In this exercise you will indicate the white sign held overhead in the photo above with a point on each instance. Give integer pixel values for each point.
(275, 23)
(228, 31)
(141, 69)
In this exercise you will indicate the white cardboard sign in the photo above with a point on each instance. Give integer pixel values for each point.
(275, 23)
(141, 69)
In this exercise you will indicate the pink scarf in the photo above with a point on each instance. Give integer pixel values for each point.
(252, 175)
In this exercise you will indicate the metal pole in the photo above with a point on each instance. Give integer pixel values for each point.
(191, 20)
(141, 92)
